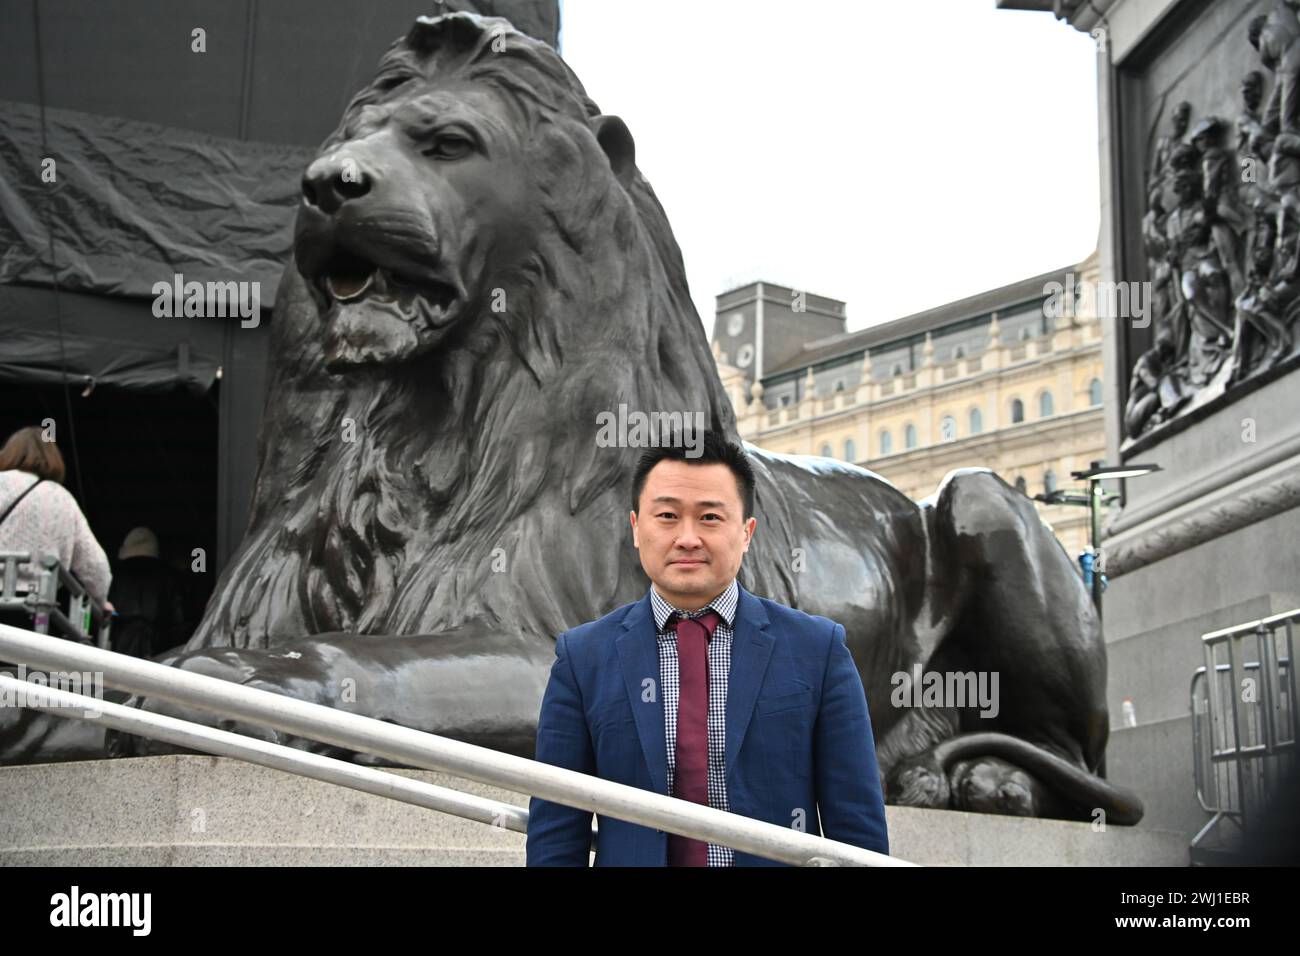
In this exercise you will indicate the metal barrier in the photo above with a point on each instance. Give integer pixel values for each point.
(42, 603)
(413, 748)
(1244, 726)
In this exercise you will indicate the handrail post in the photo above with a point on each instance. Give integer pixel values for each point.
(47, 600)
(1198, 745)
(1234, 683)
(1291, 697)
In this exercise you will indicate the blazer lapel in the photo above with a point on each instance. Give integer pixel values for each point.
(751, 649)
(638, 654)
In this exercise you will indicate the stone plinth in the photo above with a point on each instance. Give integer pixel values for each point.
(194, 810)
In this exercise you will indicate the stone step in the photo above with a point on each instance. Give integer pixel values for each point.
(189, 810)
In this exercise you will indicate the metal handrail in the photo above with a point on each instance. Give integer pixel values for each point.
(224, 743)
(418, 749)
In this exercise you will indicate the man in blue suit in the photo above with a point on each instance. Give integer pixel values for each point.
(703, 691)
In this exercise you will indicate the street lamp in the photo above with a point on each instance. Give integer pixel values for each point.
(1060, 496)
(1096, 475)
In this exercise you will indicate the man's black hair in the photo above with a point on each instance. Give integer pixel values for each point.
(716, 449)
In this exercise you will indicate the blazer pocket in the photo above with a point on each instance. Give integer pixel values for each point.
(611, 716)
(782, 702)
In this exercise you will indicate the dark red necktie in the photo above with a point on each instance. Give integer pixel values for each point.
(691, 769)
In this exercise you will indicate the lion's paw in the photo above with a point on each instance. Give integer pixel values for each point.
(991, 785)
(920, 782)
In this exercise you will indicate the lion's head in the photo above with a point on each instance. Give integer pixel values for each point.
(480, 271)
(430, 205)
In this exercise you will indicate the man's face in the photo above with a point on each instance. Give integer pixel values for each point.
(692, 532)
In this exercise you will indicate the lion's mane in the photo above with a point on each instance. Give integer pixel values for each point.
(472, 484)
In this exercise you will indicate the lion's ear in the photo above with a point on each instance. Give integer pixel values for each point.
(616, 140)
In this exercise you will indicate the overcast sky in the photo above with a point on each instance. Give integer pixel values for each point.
(896, 155)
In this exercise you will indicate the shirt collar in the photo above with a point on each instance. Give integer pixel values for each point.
(725, 604)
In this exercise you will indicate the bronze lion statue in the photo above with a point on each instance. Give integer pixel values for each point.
(479, 271)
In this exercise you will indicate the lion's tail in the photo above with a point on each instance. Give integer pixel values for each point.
(1073, 784)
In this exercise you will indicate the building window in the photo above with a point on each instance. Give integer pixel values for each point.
(897, 369)
(909, 435)
(886, 444)
(1020, 485)
(958, 353)
(948, 428)
(839, 385)
(976, 421)
(826, 452)
(1017, 411)
(785, 400)
(1045, 405)
(850, 450)
(1094, 392)
(1026, 334)
(1049, 481)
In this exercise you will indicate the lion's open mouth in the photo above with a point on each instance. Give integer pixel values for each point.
(348, 279)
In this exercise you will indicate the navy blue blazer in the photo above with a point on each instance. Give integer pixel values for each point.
(798, 744)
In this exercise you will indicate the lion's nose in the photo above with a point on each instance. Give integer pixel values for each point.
(330, 181)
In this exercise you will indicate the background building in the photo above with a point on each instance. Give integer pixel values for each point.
(1002, 380)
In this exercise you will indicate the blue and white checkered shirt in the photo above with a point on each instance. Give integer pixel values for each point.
(719, 671)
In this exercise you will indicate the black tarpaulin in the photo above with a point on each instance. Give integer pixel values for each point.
(106, 341)
(134, 203)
